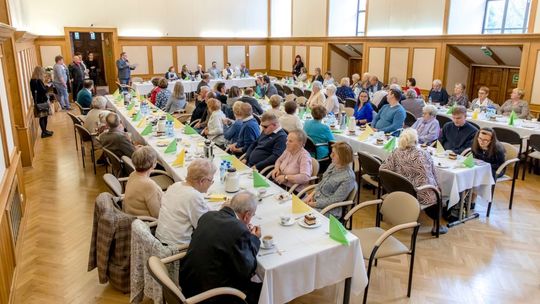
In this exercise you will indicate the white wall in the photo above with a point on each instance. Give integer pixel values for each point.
(177, 18)
(414, 17)
(466, 16)
(342, 17)
(339, 66)
(309, 18)
(18, 19)
(457, 72)
(280, 16)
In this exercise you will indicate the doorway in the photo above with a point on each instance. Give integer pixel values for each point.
(500, 81)
(86, 44)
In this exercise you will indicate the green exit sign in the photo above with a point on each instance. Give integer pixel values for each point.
(515, 78)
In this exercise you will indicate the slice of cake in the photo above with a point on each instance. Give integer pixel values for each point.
(310, 219)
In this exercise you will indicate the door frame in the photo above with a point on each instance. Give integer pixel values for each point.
(110, 72)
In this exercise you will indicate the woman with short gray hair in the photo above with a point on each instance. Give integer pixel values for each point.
(294, 165)
(143, 195)
(427, 126)
(413, 104)
(317, 97)
(332, 101)
(96, 116)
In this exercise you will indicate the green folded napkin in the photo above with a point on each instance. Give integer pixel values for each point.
(170, 117)
(338, 131)
(337, 232)
(469, 161)
(259, 181)
(450, 110)
(147, 130)
(390, 145)
(130, 106)
(119, 97)
(171, 148)
(189, 130)
(512, 118)
(138, 116)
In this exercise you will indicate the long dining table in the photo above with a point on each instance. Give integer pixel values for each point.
(191, 85)
(303, 259)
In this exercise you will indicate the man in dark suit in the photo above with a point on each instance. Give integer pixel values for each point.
(248, 98)
(269, 146)
(76, 72)
(223, 252)
(115, 139)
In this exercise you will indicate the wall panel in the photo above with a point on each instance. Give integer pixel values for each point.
(236, 54)
(187, 54)
(5, 112)
(315, 58)
(162, 58)
(257, 57)
(423, 67)
(138, 55)
(287, 58)
(535, 93)
(213, 53)
(398, 64)
(275, 57)
(377, 62)
(48, 52)
(339, 66)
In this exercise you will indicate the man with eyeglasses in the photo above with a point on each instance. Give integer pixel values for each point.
(458, 134)
(183, 204)
(269, 146)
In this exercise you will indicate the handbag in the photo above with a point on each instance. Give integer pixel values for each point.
(43, 107)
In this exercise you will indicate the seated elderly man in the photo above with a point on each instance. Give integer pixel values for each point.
(183, 204)
(115, 139)
(223, 252)
(437, 93)
(269, 146)
(249, 131)
(143, 195)
(391, 117)
(458, 134)
(96, 116)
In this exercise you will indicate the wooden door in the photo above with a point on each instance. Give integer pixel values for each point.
(90, 42)
(489, 77)
(355, 66)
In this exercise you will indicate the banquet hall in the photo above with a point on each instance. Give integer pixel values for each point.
(269, 151)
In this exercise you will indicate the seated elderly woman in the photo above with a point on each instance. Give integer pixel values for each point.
(412, 103)
(303, 75)
(416, 165)
(214, 128)
(338, 180)
(233, 127)
(183, 204)
(143, 195)
(459, 98)
(332, 102)
(363, 111)
(516, 104)
(96, 116)
(275, 103)
(163, 95)
(483, 102)
(427, 126)
(317, 97)
(344, 90)
(319, 132)
(294, 165)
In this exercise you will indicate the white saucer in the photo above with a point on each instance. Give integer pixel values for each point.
(289, 223)
(303, 224)
(266, 248)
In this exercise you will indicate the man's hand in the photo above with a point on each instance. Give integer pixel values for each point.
(256, 231)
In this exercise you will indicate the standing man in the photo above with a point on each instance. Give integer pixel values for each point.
(124, 69)
(61, 81)
(76, 71)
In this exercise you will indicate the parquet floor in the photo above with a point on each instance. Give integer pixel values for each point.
(495, 260)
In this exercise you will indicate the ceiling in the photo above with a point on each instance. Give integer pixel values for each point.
(353, 50)
(509, 55)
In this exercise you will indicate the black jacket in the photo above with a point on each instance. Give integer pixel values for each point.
(457, 139)
(222, 253)
(39, 91)
(254, 104)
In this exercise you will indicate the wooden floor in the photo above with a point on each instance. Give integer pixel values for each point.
(495, 260)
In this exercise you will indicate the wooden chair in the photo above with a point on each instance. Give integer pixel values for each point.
(115, 184)
(533, 155)
(82, 109)
(76, 121)
(298, 92)
(410, 119)
(442, 120)
(401, 211)
(369, 171)
(116, 164)
(287, 90)
(172, 294)
(85, 136)
(392, 182)
(512, 137)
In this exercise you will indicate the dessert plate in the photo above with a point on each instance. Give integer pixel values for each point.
(303, 224)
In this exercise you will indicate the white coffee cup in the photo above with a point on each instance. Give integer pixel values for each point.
(268, 241)
(285, 218)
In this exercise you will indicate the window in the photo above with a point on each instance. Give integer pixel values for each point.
(92, 36)
(361, 18)
(76, 36)
(506, 16)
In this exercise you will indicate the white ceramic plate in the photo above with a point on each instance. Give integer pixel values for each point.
(303, 224)
(266, 248)
(289, 223)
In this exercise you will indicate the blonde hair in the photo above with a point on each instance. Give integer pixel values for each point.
(213, 104)
(144, 159)
(344, 152)
(38, 73)
(520, 92)
(275, 101)
(237, 108)
(345, 81)
(408, 138)
(178, 91)
(199, 169)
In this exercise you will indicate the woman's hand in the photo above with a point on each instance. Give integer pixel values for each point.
(280, 179)
(309, 199)
(205, 131)
(275, 173)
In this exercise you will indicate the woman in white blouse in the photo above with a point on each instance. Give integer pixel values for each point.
(317, 97)
(214, 129)
(332, 102)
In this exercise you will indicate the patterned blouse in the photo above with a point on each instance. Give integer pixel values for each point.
(162, 97)
(521, 108)
(334, 187)
(416, 165)
(462, 100)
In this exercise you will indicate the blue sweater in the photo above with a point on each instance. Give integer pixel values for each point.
(366, 112)
(319, 133)
(232, 132)
(248, 134)
(389, 119)
(266, 149)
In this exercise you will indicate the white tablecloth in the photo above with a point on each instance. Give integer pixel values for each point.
(310, 260)
(452, 180)
(523, 127)
(191, 86)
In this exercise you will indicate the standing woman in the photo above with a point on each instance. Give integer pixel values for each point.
(41, 101)
(93, 66)
(297, 66)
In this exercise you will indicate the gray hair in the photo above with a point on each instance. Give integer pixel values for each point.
(200, 168)
(411, 94)
(395, 86)
(331, 88)
(437, 82)
(300, 134)
(267, 116)
(144, 159)
(99, 102)
(317, 84)
(244, 201)
(408, 138)
(430, 109)
(205, 89)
